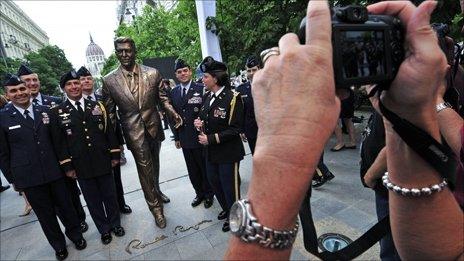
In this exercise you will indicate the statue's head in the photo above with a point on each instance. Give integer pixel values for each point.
(125, 51)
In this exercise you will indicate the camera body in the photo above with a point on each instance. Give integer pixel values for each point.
(367, 49)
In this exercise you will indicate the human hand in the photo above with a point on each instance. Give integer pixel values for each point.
(374, 99)
(71, 174)
(203, 139)
(198, 123)
(305, 71)
(412, 95)
(178, 146)
(370, 181)
(441, 93)
(121, 147)
(114, 163)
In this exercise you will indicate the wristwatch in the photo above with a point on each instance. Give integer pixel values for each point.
(245, 225)
(443, 105)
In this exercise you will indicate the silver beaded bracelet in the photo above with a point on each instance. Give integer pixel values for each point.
(415, 192)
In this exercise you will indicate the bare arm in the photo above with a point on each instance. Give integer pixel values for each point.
(450, 124)
(282, 164)
(428, 226)
(377, 169)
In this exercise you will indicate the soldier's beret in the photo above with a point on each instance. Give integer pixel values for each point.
(180, 64)
(83, 72)
(252, 61)
(71, 75)
(210, 65)
(24, 70)
(12, 80)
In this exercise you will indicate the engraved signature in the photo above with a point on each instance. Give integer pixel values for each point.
(196, 227)
(137, 243)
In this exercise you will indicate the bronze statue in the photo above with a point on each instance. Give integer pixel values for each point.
(135, 90)
(3, 101)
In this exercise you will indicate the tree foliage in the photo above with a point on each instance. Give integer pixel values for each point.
(161, 33)
(49, 63)
(8, 65)
(244, 27)
(111, 63)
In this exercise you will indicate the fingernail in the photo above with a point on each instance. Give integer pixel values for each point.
(432, 7)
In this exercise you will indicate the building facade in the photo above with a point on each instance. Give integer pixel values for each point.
(19, 35)
(95, 58)
(127, 10)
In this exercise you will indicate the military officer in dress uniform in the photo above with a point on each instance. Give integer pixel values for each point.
(220, 124)
(3, 102)
(29, 162)
(187, 98)
(249, 127)
(87, 91)
(88, 151)
(32, 82)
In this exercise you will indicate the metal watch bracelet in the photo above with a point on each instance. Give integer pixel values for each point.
(254, 232)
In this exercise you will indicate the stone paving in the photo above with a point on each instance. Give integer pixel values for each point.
(341, 206)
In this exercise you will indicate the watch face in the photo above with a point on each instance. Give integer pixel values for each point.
(236, 217)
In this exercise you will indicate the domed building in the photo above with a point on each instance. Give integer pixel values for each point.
(95, 58)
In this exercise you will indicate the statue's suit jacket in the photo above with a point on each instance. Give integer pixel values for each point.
(137, 116)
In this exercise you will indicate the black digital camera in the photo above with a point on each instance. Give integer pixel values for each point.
(367, 49)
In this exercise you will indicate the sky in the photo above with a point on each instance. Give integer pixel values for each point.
(68, 24)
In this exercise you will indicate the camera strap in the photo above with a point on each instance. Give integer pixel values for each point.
(439, 156)
(351, 251)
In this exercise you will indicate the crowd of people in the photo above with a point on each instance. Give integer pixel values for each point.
(52, 149)
(75, 144)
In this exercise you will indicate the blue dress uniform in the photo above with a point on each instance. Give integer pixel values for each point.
(222, 124)
(188, 107)
(28, 160)
(48, 101)
(88, 144)
(249, 127)
(40, 99)
(71, 184)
